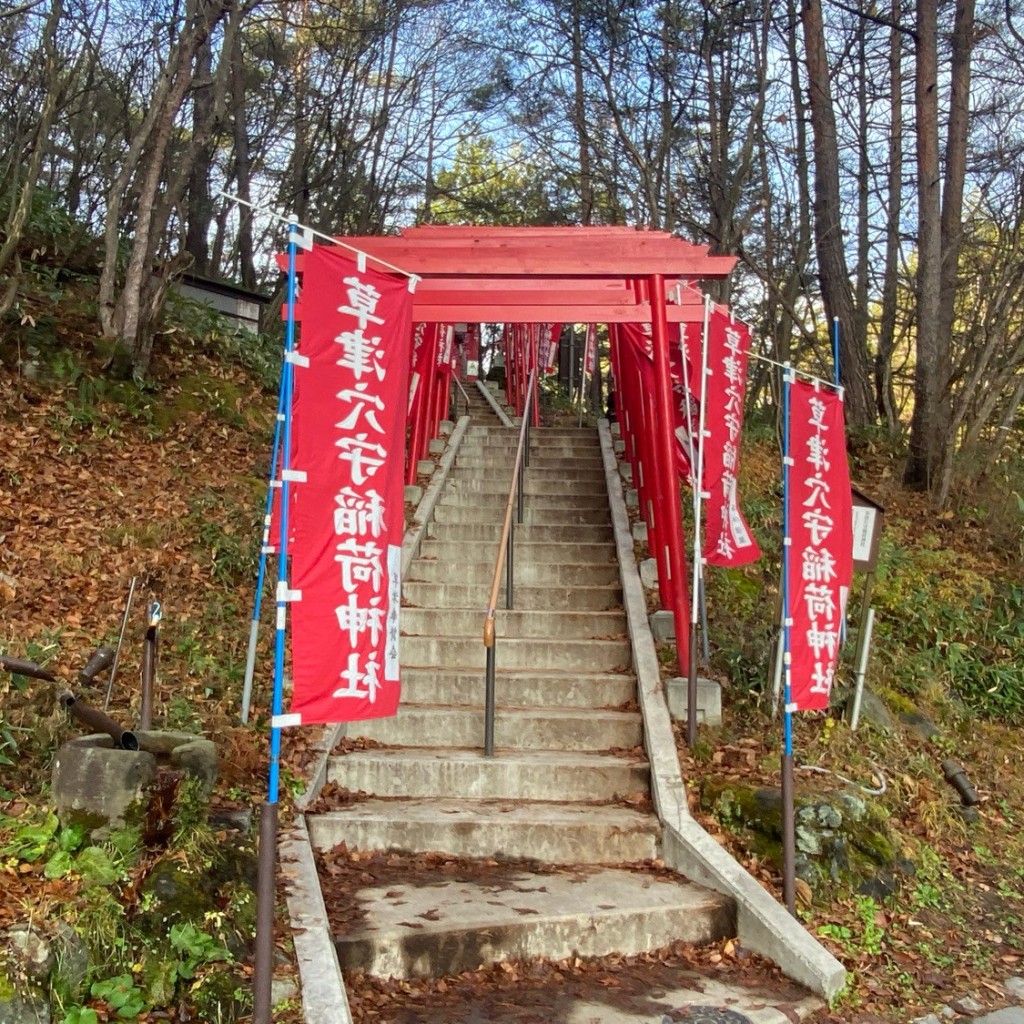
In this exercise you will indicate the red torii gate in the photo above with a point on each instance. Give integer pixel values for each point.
(592, 275)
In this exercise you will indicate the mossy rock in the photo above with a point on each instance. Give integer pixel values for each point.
(221, 996)
(839, 838)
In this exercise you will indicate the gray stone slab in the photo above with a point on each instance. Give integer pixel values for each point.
(1009, 1015)
(533, 775)
(453, 926)
(513, 653)
(517, 729)
(503, 830)
(436, 446)
(523, 688)
(663, 624)
(413, 493)
(709, 700)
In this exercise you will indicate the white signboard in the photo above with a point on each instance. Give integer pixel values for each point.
(863, 531)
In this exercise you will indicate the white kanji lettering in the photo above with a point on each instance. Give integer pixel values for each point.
(365, 456)
(817, 414)
(820, 601)
(822, 640)
(818, 566)
(361, 354)
(360, 399)
(729, 456)
(821, 678)
(363, 299)
(358, 514)
(360, 683)
(356, 620)
(818, 524)
(360, 563)
(819, 489)
(818, 456)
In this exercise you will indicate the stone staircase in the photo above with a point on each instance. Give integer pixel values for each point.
(565, 799)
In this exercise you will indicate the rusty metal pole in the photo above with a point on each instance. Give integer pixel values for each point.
(672, 535)
(149, 668)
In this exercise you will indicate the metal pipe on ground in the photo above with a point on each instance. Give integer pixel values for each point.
(99, 722)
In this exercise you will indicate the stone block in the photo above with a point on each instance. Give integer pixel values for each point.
(615, 429)
(413, 494)
(445, 428)
(104, 788)
(649, 573)
(425, 467)
(709, 700)
(663, 625)
(436, 446)
(619, 446)
(640, 532)
(632, 498)
(626, 472)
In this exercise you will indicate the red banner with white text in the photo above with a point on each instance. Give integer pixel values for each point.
(727, 538)
(350, 416)
(820, 551)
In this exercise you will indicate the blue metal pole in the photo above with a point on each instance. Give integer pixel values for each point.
(788, 812)
(267, 863)
(250, 660)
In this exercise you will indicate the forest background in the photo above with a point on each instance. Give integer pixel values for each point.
(862, 160)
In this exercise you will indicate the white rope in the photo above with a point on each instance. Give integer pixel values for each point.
(271, 212)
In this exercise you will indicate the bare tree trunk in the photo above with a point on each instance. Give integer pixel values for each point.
(952, 215)
(243, 163)
(832, 269)
(580, 118)
(894, 201)
(930, 417)
(21, 211)
(200, 207)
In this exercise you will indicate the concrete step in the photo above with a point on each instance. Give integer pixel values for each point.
(453, 926)
(500, 472)
(527, 552)
(561, 447)
(494, 502)
(518, 688)
(565, 484)
(447, 725)
(517, 623)
(549, 595)
(533, 515)
(513, 654)
(474, 458)
(560, 574)
(503, 830)
(534, 775)
(472, 533)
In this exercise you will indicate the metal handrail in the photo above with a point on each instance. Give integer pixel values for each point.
(505, 560)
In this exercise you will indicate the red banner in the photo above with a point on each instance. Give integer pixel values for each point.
(349, 520)
(590, 351)
(548, 336)
(820, 551)
(422, 345)
(727, 538)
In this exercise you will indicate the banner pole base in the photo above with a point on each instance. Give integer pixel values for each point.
(263, 962)
(691, 691)
(788, 836)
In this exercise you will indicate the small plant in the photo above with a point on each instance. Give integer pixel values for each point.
(121, 994)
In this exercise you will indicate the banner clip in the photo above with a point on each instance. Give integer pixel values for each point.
(296, 359)
(296, 476)
(284, 595)
(284, 721)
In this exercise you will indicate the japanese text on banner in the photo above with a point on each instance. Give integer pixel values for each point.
(820, 554)
(346, 564)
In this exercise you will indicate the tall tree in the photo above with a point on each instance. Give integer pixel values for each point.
(833, 272)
